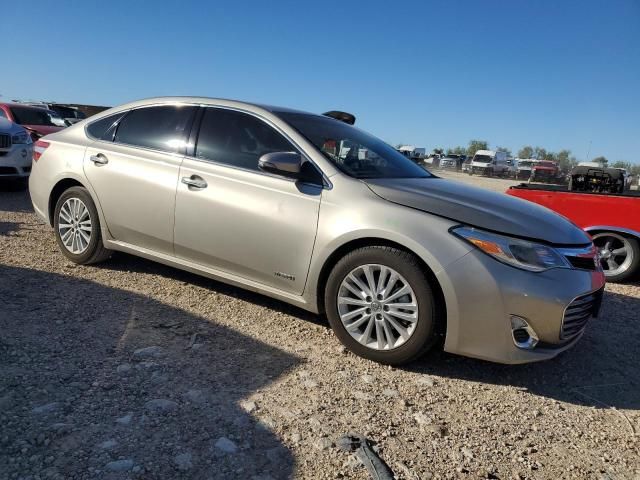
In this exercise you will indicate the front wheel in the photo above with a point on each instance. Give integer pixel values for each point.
(77, 227)
(381, 305)
(619, 255)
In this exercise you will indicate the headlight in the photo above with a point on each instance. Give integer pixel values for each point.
(21, 138)
(531, 256)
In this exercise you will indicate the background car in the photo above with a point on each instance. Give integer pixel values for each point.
(69, 114)
(452, 161)
(16, 150)
(37, 121)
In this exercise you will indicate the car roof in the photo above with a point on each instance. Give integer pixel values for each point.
(23, 105)
(213, 101)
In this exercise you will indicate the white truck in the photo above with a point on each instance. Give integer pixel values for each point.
(490, 163)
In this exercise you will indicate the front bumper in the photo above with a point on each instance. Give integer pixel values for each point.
(15, 162)
(483, 294)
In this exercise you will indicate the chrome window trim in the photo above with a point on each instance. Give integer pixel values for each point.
(327, 185)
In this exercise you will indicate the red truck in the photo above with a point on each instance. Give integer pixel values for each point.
(613, 220)
(545, 171)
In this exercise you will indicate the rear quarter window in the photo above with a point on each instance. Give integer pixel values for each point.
(104, 128)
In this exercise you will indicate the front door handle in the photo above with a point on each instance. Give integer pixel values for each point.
(194, 181)
(99, 159)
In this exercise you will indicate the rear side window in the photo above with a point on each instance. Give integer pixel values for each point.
(161, 128)
(2, 114)
(103, 129)
(237, 139)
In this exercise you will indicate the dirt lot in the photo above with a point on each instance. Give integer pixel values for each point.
(131, 369)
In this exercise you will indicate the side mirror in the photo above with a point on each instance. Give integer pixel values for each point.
(283, 163)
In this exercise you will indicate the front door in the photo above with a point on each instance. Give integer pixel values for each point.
(233, 217)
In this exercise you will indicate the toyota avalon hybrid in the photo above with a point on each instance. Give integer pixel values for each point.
(313, 211)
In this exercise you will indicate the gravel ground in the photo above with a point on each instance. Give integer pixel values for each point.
(131, 369)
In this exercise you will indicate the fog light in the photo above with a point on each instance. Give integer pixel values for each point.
(523, 335)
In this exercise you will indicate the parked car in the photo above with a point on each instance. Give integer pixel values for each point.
(525, 166)
(611, 218)
(545, 171)
(37, 121)
(452, 161)
(281, 202)
(490, 163)
(466, 165)
(16, 150)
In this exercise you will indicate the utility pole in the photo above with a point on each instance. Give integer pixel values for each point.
(589, 150)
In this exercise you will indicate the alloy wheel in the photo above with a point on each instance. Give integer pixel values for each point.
(377, 306)
(74, 226)
(616, 253)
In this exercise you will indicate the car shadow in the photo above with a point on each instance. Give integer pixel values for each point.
(124, 262)
(600, 371)
(14, 197)
(74, 391)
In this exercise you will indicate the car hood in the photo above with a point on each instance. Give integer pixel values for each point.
(480, 208)
(7, 126)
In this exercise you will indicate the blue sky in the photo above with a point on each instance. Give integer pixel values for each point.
(558, 74)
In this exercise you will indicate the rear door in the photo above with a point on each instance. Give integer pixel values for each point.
(133, 167)
(238, 219)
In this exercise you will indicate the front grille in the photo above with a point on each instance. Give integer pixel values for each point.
(8, 171)
(26, 169)
(578, 313)
(585, 263)
(5, 140)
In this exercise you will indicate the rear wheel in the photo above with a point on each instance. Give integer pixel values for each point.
(381, 306)
(619, 255)
(77, 227)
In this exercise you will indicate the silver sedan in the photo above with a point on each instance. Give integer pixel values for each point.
(311, 210)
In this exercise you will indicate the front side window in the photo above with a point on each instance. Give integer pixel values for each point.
(237, 139)
(162, 127)
(353, 151)
(2, 114)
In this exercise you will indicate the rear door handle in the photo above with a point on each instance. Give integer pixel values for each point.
(99, 159)
(194, 181)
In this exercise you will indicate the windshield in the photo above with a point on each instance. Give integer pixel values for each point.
(482, 158)
(34, 116)
(525, 163)
(353, 151)
(546, 164)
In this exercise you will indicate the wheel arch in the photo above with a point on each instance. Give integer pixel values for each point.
(56, 192)
(609, 228)
(354, 244)
(63, 184)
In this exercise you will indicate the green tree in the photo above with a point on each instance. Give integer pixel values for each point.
(526, 152)
(565, 160)
(505, 150)
(457, 151)
(438, 151)
(475, 145)
(622, 164)
(602, 161)
(540, 153)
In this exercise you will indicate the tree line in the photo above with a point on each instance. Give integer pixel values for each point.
(564, 158)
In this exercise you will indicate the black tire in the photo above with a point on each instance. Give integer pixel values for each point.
(95, 251)
(407, 265)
